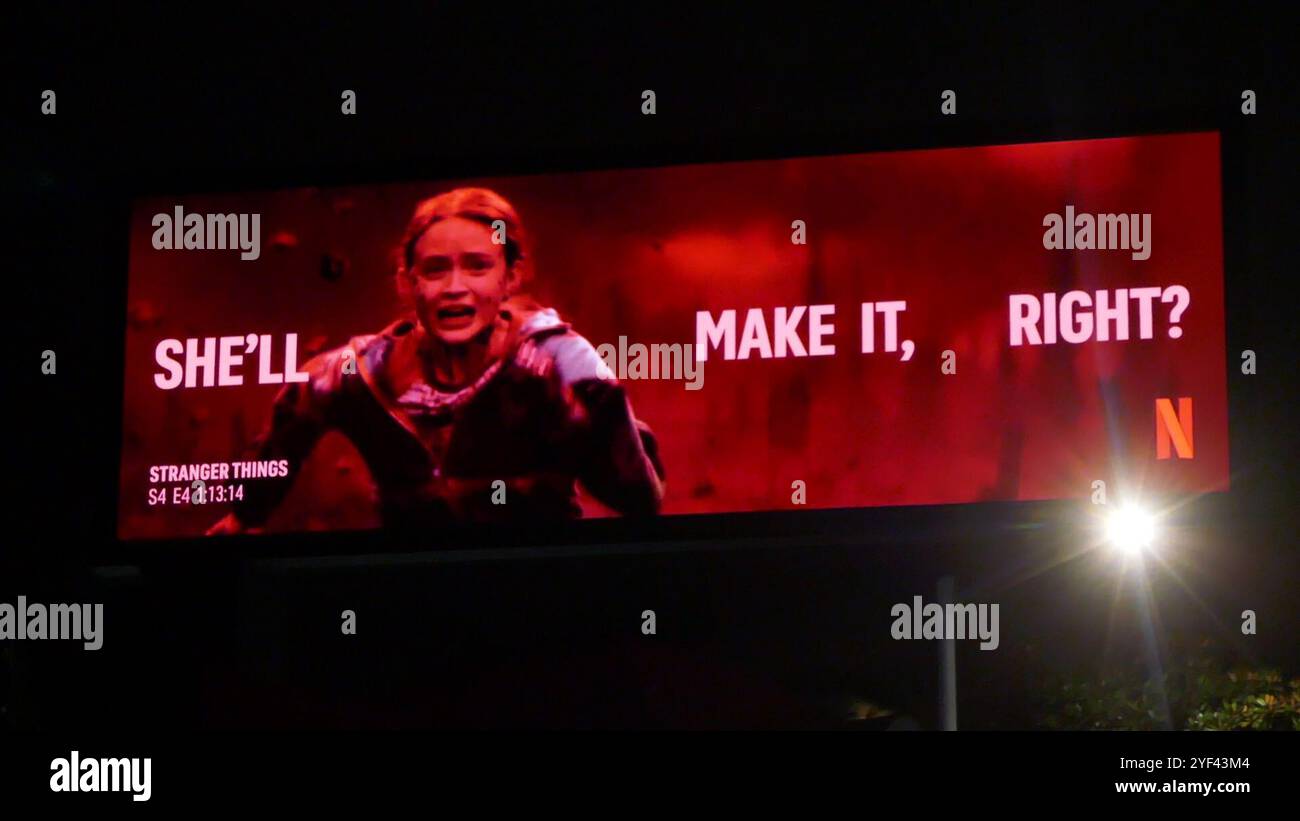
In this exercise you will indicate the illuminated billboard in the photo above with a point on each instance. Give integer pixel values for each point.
(944, 326)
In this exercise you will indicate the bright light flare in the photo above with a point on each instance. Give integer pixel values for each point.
(1131, 530)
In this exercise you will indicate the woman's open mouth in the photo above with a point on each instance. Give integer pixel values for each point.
(454, 317)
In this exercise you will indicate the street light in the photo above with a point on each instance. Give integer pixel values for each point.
(1130, 530)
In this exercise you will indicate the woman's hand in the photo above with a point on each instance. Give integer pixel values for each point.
(573, 357)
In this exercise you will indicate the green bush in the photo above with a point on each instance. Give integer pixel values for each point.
(1202, 695)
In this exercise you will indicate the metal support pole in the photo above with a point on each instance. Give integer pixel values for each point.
(948, 661)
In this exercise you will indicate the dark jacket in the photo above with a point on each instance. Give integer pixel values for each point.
(545, 414)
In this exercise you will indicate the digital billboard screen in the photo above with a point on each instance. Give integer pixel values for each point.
(942, 326)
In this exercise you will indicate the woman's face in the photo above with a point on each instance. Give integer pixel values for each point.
(458, 279)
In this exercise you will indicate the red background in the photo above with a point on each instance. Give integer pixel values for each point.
(637, 252)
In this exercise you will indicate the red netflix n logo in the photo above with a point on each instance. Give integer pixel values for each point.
(1174, 428)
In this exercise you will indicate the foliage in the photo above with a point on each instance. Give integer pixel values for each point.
(1202, 695)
